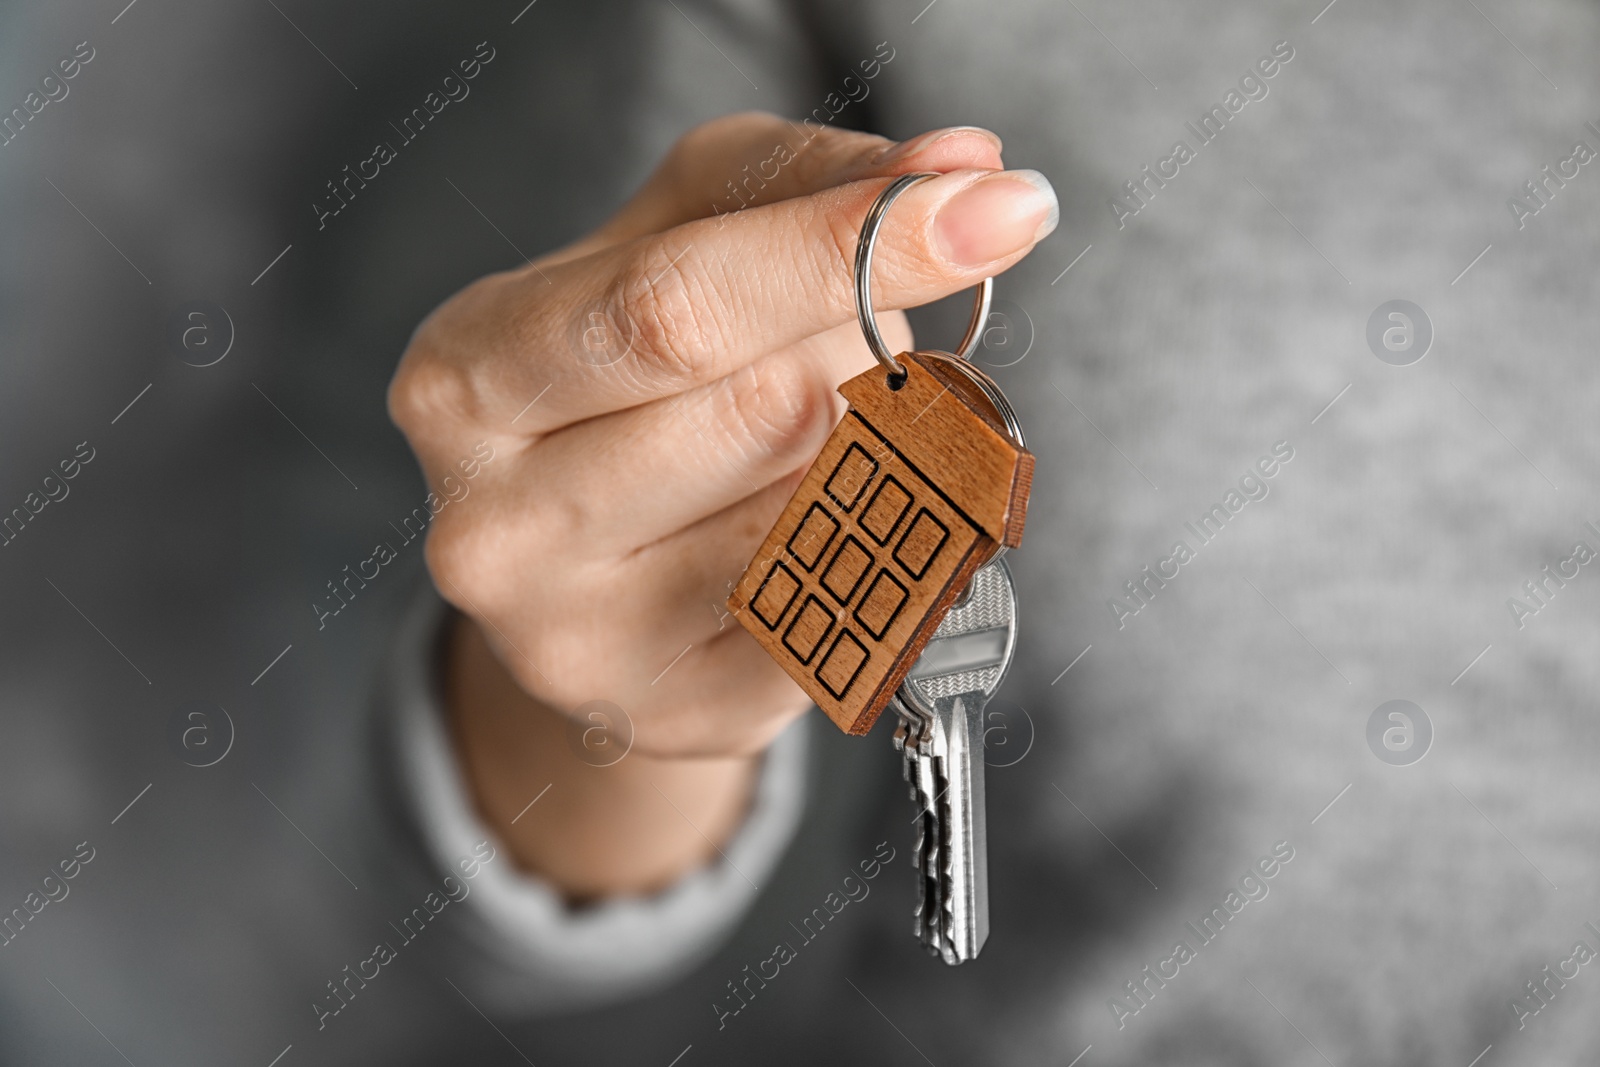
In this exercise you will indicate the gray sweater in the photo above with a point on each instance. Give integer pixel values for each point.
(1259, 517)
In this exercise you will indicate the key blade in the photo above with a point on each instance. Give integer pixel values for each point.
(959, 732)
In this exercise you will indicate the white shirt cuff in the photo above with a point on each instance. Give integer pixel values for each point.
(601, 950)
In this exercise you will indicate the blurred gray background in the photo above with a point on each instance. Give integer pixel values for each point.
(1230, 714)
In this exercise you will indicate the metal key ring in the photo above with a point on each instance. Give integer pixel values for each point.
(863, 282)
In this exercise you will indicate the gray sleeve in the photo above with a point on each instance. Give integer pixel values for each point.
(545, 955)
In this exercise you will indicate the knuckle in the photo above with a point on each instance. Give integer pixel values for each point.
(501, 554)
(440, 379)
(472, 558)
(667, 302)
(833, 250)
(906, 258)
(456, 556)
(842, 232)
(775, 408)
(424, 391)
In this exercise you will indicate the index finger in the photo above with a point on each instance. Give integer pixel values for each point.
(666, 313)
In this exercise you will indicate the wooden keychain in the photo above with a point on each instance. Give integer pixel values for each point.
(923, 481)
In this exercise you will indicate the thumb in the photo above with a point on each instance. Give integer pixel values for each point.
(753, 157)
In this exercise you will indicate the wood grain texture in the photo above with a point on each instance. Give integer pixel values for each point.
(911, 494)
(941, 420)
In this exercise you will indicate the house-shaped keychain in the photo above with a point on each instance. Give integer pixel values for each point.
(916, 488)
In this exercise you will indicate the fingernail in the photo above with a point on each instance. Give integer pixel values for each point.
(905, 149)
(996, 216)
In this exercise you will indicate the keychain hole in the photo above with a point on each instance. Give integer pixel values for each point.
(897, 382)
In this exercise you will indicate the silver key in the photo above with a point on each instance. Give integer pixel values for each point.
(941, 706)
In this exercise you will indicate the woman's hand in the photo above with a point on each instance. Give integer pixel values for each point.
(653, 394)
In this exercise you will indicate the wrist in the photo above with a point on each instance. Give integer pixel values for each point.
(635, 826)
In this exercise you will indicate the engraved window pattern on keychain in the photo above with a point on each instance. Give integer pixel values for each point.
(855, 558)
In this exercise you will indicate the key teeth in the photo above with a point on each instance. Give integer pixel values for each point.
(947, 947)
(923, 858)
(934, 918)
(935, 924)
